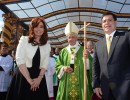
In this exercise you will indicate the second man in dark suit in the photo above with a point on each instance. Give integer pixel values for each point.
(111, 64)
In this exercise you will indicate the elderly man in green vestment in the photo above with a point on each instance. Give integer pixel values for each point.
(70, 68)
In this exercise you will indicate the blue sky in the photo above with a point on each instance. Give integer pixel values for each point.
(1, 20)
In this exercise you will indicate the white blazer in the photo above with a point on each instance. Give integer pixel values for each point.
(25, 53)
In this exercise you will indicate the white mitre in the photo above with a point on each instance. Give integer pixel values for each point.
(71, 28)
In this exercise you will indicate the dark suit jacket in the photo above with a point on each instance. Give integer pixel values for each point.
(113, 71)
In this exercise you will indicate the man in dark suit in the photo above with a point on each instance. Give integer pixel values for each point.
(111, 67)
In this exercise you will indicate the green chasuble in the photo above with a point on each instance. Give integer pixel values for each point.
(71, 86)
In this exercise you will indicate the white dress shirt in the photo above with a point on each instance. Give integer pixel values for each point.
(112, 34)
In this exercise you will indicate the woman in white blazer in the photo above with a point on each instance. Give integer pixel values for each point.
(32, 57)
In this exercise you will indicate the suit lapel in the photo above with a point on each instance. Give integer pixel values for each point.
(113, 44)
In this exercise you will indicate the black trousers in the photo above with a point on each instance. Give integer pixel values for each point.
(110, 96)
(3, 95)
(55, 91)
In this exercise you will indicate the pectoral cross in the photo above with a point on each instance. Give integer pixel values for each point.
(72, 50)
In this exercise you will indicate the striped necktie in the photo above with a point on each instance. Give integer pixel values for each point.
(108, 44)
